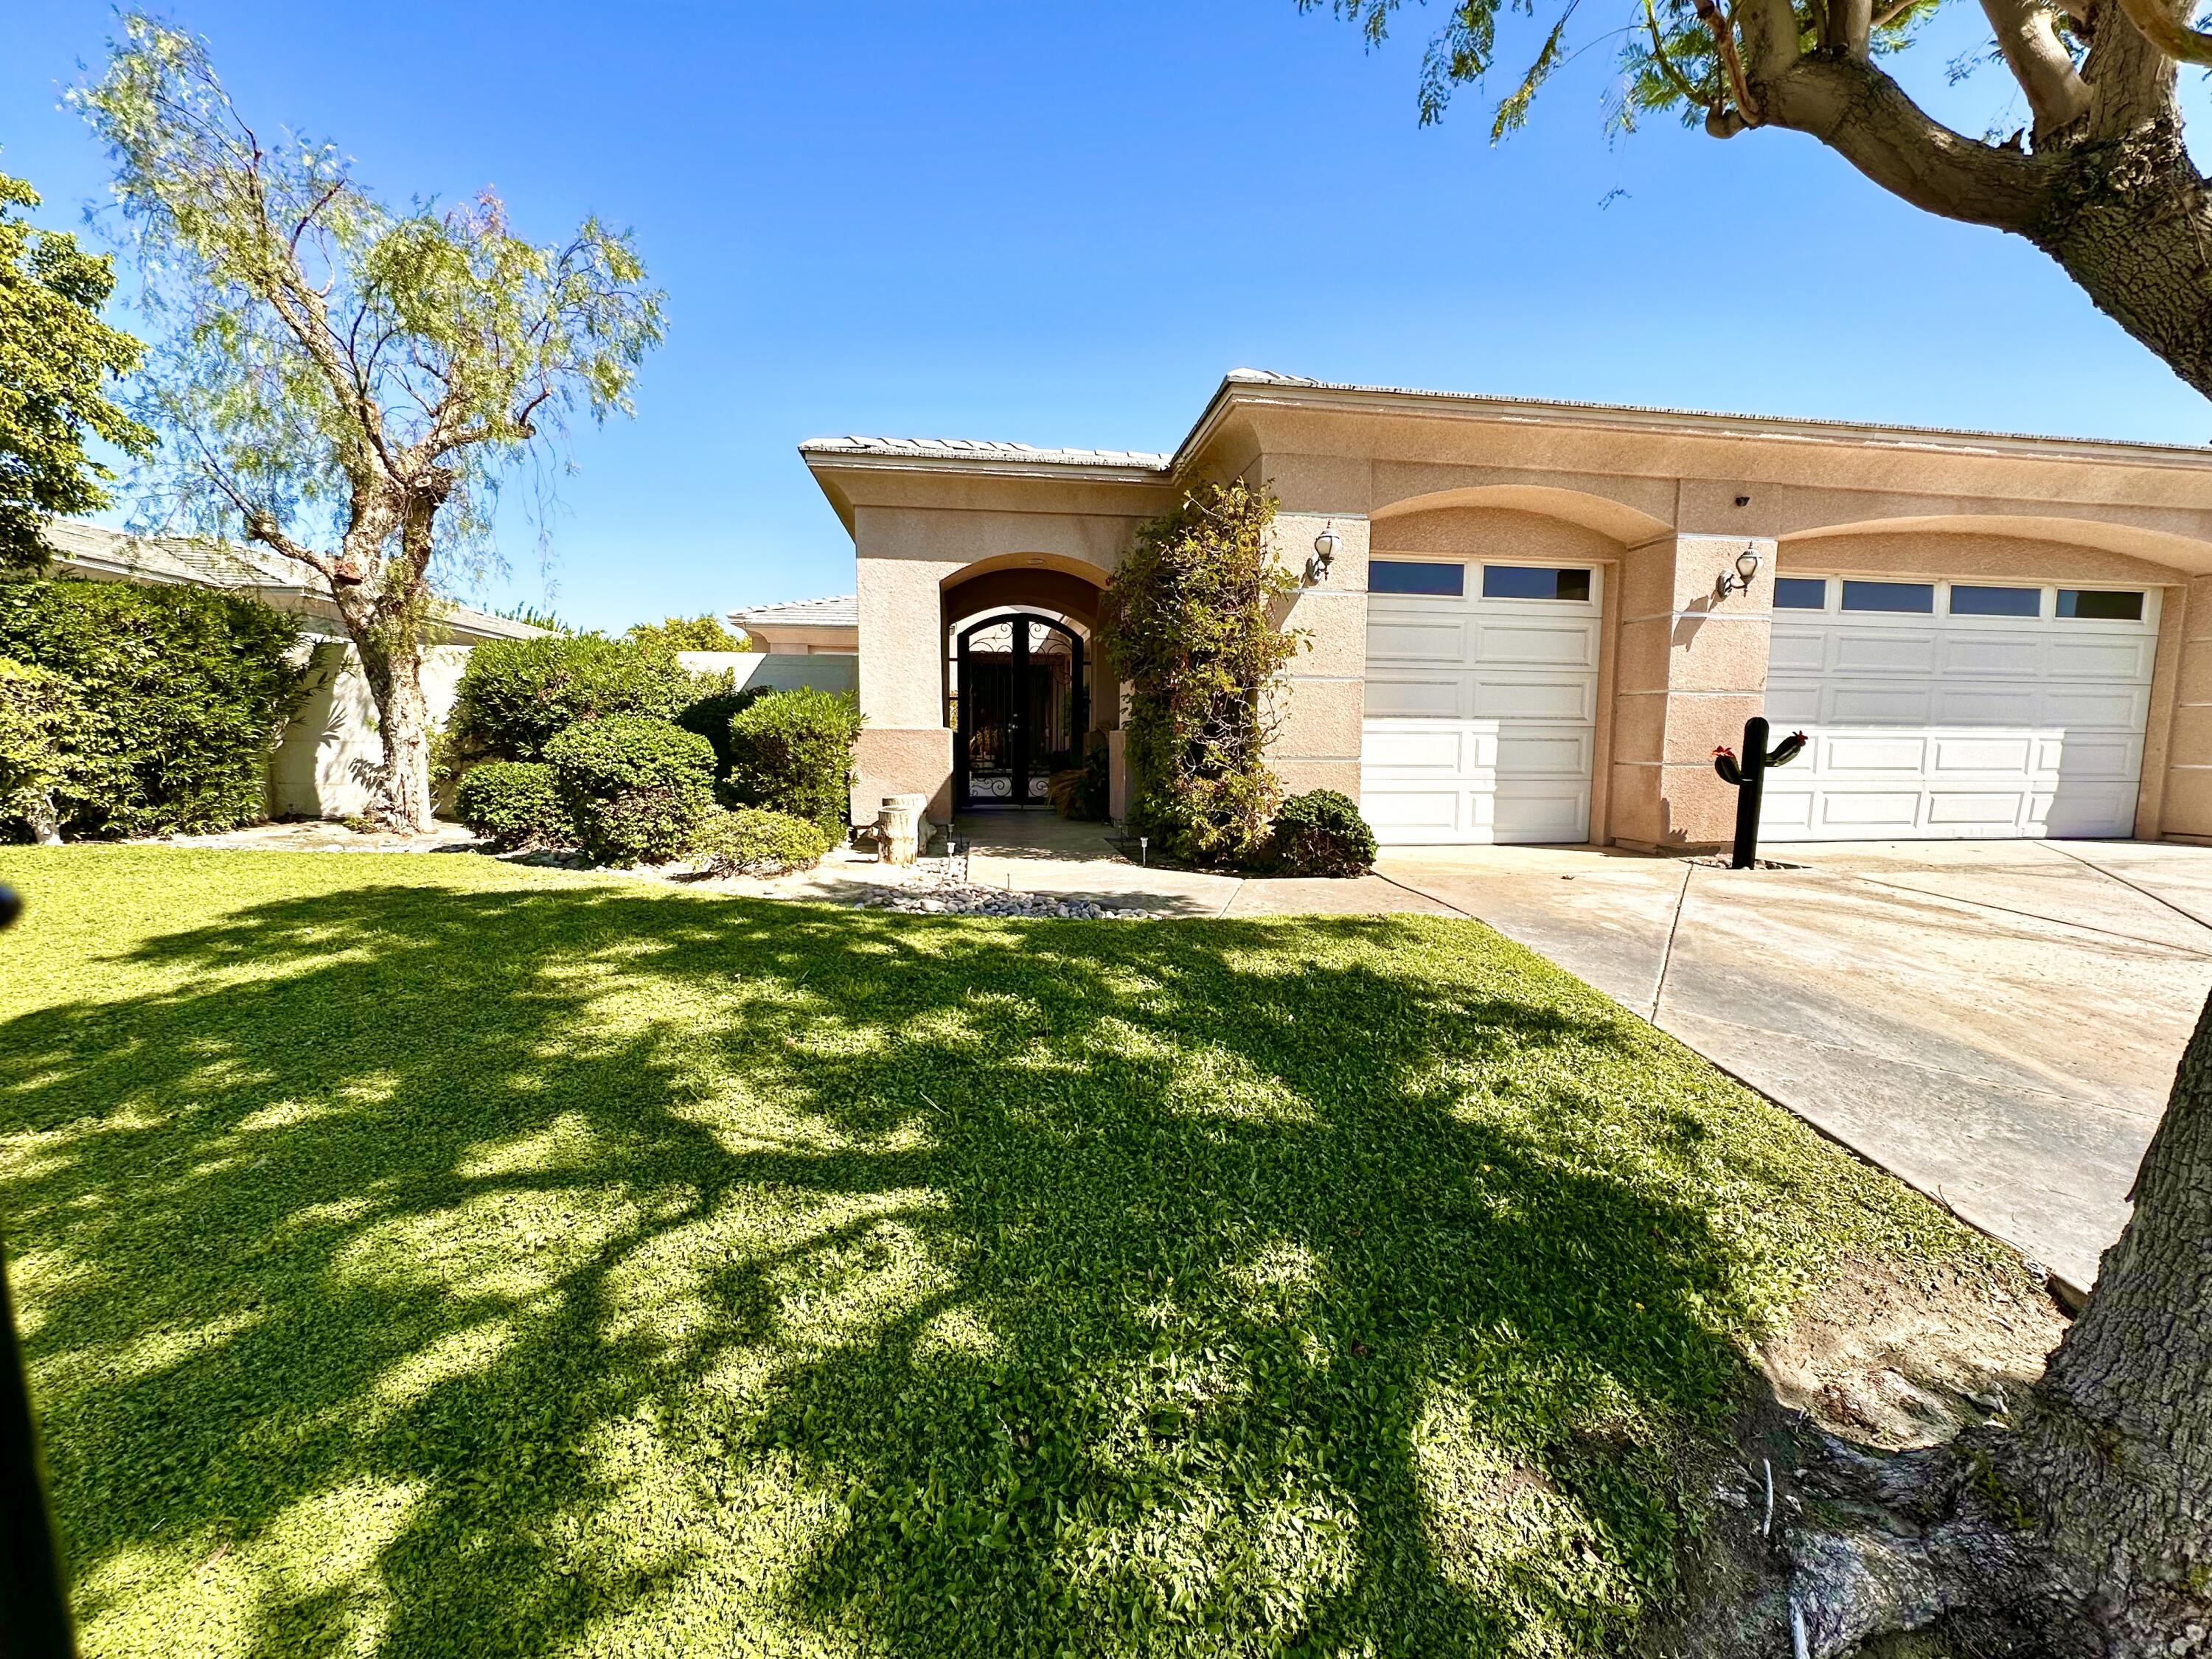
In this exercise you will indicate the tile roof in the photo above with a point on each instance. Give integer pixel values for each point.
(984, 449)
(838, 610)
(1536, 408)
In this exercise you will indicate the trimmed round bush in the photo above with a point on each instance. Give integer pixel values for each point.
(513, 804)
(517, 695)
(792, 751)
(635, 788)
(1320, 833)
(752, 841)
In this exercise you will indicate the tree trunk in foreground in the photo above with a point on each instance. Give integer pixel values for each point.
(403, 724)
(2086, 1529)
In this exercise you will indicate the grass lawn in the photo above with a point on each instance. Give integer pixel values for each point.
(422, 1255)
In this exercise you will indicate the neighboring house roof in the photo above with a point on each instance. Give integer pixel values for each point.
(841, 610)
(93, 551)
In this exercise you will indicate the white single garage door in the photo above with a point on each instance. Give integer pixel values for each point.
(1957, 710)
(1482, 702)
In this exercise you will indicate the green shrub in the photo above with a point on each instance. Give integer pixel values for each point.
(689, 634)
(41, 723)
(709, 713)
(792, 750)
(513, 804)
(1320, 833)
(752, 841)
(185, 691)
(516, 696)
(635, 787)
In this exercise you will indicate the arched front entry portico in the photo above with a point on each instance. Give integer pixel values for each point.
(1021, 679)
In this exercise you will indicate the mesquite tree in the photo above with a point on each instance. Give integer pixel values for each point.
(2098, 178)
(343, 383)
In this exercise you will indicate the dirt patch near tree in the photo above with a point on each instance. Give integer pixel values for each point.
(1897, 1354)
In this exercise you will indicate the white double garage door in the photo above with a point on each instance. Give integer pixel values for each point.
(1950, 725)
(1482, 714)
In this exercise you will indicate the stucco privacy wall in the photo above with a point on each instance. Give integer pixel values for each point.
(1663, 501)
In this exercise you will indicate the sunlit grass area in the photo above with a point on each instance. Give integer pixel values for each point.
(422, 1255)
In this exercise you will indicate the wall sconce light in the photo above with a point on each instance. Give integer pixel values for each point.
(1324, 554)
(1746, 567)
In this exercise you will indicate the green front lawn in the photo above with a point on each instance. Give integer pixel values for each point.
(423, 1255)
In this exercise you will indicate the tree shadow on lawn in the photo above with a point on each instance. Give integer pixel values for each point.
(454, 1271)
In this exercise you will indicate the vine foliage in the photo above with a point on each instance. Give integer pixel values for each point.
(1189, 621)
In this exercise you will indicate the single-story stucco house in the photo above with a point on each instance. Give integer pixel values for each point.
(1536, 625)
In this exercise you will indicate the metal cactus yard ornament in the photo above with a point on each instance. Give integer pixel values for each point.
(1749, 777)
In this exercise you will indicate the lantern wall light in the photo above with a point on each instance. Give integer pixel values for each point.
(1324, 553)
(1746, 567)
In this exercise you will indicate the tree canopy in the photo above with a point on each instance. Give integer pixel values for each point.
(689, 634)
(2097, 176)
(57, 359)
(345, 382)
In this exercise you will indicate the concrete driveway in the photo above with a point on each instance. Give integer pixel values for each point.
(1997, 1022)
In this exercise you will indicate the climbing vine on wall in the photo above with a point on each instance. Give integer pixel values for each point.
(1189, 621)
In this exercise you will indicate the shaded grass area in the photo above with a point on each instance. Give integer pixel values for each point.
(423, 1255)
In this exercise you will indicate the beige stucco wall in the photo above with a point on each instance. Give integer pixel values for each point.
(325, 764)
(2187, 806)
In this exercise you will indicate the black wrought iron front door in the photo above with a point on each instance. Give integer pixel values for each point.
(1021, 709)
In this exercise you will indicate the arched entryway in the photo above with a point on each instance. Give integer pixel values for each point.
(1022, 709)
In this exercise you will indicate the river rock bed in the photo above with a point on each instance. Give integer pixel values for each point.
(936, 897)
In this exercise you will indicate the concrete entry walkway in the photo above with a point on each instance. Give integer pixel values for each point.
(1997, 1022)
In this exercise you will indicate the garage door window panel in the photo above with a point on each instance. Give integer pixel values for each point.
(1912, 599)
(1416, 576)
(1523, 581)
(1800, 593)
(2090, 605)
(1968, 600)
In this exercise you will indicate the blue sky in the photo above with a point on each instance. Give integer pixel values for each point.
(1060, 223)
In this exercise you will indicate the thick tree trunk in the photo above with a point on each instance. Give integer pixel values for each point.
(2115, 1453)
(2129, 219)
(2086, 1529)
(2106, 190)
(403, 718)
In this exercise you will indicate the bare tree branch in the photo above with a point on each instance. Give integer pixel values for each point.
(2039, 60)
(1866, 118)
(2168, 28)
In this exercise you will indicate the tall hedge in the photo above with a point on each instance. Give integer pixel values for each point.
(517, 695)
(40, 718)
(184, 692)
